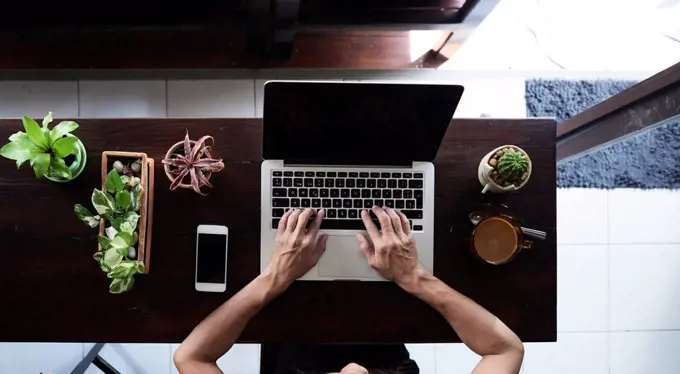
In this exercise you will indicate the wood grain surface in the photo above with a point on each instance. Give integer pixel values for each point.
(52, 290)
(639, 108)
(223, 47)
(236, 34)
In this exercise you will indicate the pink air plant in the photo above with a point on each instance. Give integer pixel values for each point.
(195, 162)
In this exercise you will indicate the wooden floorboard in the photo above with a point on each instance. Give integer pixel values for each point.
(637, 108)
(198, 48)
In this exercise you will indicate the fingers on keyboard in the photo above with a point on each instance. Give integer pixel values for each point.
(344, 194)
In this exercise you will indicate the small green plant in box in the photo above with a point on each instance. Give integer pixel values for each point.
(55, 153)
(119, 206)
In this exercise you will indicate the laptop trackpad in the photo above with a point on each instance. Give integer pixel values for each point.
(343, 259)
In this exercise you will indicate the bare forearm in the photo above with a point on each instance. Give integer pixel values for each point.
(213, 337)
(480, 330)
(392, 252)
(296, 250)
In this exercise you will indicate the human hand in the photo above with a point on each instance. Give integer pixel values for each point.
(392, 252)
(296, 248)
(354, 369)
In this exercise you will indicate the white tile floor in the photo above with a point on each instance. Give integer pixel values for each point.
(120, 99)
(583, 353)
(134, 358)
(618, 308)
(35, 98)
(582, 288)
(211, 98)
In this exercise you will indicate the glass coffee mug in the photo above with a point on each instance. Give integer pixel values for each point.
(497, 237)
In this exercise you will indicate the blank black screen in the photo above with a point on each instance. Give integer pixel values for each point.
(212, 254)
(356, 123)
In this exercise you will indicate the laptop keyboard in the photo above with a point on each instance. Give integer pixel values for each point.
(343, 195)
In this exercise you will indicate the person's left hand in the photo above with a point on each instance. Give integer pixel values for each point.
(296, 247)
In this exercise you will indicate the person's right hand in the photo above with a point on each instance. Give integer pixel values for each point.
(392, 252)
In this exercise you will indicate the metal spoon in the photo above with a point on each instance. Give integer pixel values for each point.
(538, 234)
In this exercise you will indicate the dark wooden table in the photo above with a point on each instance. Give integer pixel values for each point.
(53, 291)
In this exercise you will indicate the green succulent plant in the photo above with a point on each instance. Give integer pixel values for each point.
(512, 165)
(43, 147)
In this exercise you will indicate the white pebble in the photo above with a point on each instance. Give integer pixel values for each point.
(132, 253)
(118, 166)
(136, 166)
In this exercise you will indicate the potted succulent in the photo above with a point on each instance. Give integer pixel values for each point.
(189, 164)
(55, 153)
(122, 208)
(505, 169)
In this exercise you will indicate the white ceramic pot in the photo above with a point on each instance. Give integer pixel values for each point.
(484, 174)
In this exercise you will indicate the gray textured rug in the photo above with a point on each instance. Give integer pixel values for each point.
(650, 159)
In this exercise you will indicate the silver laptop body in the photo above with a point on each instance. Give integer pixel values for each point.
(298, 115)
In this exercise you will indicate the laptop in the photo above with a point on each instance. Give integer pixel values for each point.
(344, 147)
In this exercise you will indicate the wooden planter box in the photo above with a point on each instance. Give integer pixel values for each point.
(145, 224)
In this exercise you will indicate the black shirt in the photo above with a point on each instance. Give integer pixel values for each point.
(313, 359)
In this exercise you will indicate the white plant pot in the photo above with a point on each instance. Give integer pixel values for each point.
(484, 174)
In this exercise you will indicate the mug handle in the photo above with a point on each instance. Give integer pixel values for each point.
(486, 188)
(526, 244)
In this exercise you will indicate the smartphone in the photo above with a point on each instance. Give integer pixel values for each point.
(211, 258)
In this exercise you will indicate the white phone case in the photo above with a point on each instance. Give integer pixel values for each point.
(211, 230)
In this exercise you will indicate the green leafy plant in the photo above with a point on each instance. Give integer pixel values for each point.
(511, 166)
(119, 206)
(45, 148)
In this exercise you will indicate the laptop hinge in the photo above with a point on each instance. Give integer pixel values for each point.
(316, 163)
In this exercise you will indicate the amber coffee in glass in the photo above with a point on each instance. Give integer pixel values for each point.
(497, 239)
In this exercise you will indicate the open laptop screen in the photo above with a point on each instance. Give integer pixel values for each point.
(356, 123)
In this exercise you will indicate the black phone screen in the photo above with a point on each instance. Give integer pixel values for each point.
(212, 258)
